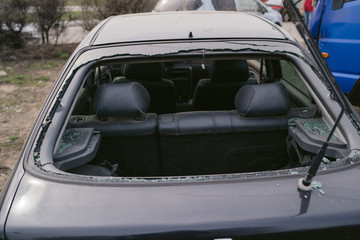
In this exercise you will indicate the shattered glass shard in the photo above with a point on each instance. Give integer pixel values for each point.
(316, 185)
(293, 172)
(317, 127)
(63, 146)
(325, 160)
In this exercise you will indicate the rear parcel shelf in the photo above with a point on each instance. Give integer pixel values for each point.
(251, 138)
(308, 135)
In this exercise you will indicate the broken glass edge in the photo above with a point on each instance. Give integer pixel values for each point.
(45, 124)
(137, 53)
(294, 171)
(324, 167)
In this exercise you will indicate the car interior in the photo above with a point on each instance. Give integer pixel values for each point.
(196, 117)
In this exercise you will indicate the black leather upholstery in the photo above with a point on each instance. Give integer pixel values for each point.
(121, 100)
(128, 133)
(213, 122)
(118, 127)
(228, 141)
(250, 138)
(162, 91)
(262, 100)
(120, 111)
(143, 71)
(218, 92)
(229, 71)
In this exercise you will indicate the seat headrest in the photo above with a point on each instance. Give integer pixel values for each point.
(269, 99)
(229, 71)
(143, 71)
(121, 100)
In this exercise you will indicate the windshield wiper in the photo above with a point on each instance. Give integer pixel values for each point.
(304, 184)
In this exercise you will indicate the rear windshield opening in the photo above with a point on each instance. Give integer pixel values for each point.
(184, 118)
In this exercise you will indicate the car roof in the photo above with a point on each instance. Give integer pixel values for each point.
(184, 25)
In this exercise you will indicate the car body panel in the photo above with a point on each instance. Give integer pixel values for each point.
(238, 208)
(175, 30)
(7, 195)
(338, 33)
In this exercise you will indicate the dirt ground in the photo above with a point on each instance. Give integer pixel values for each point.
(20, 104)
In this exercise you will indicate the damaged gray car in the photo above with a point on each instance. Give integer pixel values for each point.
(160, 128)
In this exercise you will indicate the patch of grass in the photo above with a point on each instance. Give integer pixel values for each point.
(20, 77)
(6, 80)
(43, 78)
(29, 72)
(50, 64)
(34, 66)
(63, 55)
(13, 138)
(16, 80)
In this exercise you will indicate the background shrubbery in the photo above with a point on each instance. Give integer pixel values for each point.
(51, 16)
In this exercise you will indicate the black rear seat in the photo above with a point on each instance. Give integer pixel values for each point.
(128, 133)
(251, 138)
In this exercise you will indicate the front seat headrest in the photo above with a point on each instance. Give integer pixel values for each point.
(229, 71)
(143, 71)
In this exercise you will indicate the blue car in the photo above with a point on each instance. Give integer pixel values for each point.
(336, 27)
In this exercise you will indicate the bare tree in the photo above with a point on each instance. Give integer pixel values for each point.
(113, 7)
(98, 10)
(49, 14)
(59, 28)
(13, 18)
(92, 12)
